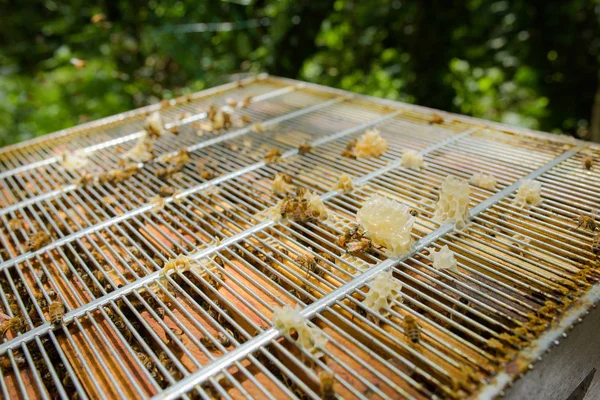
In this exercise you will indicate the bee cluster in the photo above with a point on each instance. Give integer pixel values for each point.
(23, 310)
(142, 151)
(113, 176)
(354, 240)
(128, 316)
(305, 148)
(273, 156)
(38, 353)
(275, 263)
(301, 206)
(175, 164)
(219, 119)
(37, 241)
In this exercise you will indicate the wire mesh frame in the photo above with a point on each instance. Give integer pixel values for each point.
(248, 345)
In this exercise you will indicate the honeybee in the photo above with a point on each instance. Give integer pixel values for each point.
(118, 321)
(349, 151)
(257, 128)
(223, 339)
(359, 246)
(219, 119)
(307, 262)
(273, 155)
(166, 191)
(358, 309)
(304, 148)
(168, 172)
(209, 392)
(596, 244)
(212, 281)
(326, 380)
(145, 360)
(84, 179)
(15, 224)
(347, 235)
(166, 362)
(160, 311)
(37, 241)
(354, 241)
(436, 119)
(219, 261)
(274, 278)
(41, 299)
(42, 276)
(212, 310)
(5, 361)
(588, 162)
(411, 328)
(221, 316)
(15, 324)
(305, 289)
(246, 102)
(208, 343)
(33, 314)
(227, 121)
(180, 158)
(586, 221)
(56, 310)
(207, 175)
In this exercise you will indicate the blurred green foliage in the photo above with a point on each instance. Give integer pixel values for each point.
(524, 62)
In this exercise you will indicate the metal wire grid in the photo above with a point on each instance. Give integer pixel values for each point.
(43, 179)
(123, 128)
(118, 336)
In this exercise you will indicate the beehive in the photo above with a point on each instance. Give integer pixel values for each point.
(103, 239)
